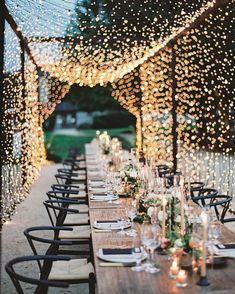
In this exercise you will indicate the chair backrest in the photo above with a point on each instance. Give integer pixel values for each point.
(67, 179)
(216, 201)
(224, 201)
(67, 189)
(69, 172)
(199, 195)
(42, 283)
(63, 179)
(59, 195)
(33, 237)
(164, 170)
(57, 211)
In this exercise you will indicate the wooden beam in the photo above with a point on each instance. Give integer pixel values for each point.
(174, 108)
(6, 14)
(195, 24)
(2, 131)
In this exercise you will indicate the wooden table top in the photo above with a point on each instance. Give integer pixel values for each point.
(120, 280)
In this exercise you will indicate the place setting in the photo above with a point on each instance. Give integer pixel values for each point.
(103, 197)
(112, 225)
(121, 256)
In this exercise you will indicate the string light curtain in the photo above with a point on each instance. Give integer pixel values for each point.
(22, 133)
(126, 43)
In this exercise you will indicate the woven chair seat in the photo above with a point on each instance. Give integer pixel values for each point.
(76, 219)
(80, 232)
(74, 269)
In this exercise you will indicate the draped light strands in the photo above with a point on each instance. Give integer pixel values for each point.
(131, 47)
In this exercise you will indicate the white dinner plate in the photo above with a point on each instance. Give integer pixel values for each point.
(98, 189)
(112, 225)
(104, 198)
(122, 258)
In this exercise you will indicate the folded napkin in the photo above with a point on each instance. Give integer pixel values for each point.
(96, 184)
(225, 247)
(119, 251)
(98, 191)
(121, 254)
(226, 250)
(106, 221)
(107, 224)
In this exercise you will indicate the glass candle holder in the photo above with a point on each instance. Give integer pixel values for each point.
(174, 270)
(181, 280)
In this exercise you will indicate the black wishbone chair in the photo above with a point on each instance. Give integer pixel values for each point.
(75, 203)
(71, 191)
(42, 284)
(61, 215)
(163, 169)
(168, 175)
(194, 191)
(195, 188)
(77, 270)
(68, 180)
(69, 172)
(203, 192)
(73, 175)
(220, 203)
(63, 240)
(69, 164)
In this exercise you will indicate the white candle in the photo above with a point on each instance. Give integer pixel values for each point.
(182, 276)
(164, 202)
(182, 221)
(205, 225)
(174, 269)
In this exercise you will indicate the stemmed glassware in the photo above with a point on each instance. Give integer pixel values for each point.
(214, 231)
(150, 243)
(132, 212)
(138, 267)
(122, 226)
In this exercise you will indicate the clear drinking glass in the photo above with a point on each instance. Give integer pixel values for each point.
(138, 267)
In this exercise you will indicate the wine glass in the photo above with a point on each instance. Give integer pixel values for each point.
(216, 231)
(122, 227)
(146, 238)
(132, 212)
(135, 243)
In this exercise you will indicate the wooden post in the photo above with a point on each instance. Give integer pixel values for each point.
(2, 131)
(174, 108)
(24, 150)
(139, 95)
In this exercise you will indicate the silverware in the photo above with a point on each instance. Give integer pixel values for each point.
(102, 231)
(113, 264)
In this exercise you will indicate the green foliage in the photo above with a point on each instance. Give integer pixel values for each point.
(92, 99)
(57, 145)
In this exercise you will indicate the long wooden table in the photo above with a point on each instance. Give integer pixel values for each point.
(120, 280)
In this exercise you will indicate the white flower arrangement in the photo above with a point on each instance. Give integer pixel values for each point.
(129, 172)
(178, 243)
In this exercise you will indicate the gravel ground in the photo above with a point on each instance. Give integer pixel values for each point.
(30, 212)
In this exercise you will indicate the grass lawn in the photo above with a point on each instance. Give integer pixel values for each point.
(58, 144)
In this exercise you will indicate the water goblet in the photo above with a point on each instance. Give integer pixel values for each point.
(138, 267)
(122, 226)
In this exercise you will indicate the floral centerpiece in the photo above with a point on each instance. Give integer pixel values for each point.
(129, 176)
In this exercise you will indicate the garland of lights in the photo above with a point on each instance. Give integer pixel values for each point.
(140, 73)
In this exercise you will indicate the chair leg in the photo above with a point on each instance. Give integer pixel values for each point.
(41, 289)
(91, 283)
